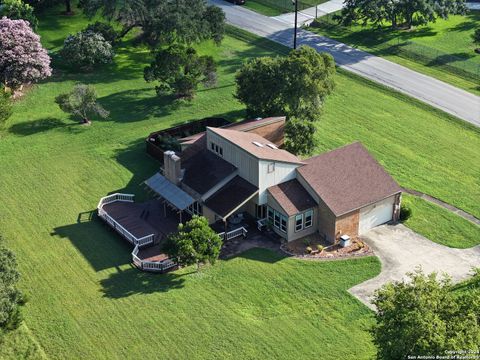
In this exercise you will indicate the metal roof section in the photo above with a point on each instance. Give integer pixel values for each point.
(170, 192)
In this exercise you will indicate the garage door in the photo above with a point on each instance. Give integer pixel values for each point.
(376, 214)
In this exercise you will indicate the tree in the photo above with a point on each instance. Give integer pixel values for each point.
(22, 58)
(5, 107)
(10, 297)
(162, 22)
(424, 316)
(300, 136)
(405, 12)
(476, 38)
(86, 49)
(295, 85)
(104, 29)
(194, 243)
(17, 10)
(180, 70)
(81, 102)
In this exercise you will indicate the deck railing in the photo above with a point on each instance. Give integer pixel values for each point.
(234, 233)
(145, 240)
(160, 266)
(261, 223)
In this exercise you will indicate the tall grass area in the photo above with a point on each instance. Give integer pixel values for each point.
(443, 49)
(85, 299)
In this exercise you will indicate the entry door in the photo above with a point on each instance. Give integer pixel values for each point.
(260, 211)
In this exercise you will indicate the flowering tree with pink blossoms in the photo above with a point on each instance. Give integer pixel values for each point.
(23, 60)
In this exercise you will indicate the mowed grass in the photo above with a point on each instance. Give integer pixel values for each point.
(278, 7)
(438, 224)
(86, 301)
(441, 39)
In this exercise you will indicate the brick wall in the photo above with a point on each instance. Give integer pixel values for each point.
(347, 225)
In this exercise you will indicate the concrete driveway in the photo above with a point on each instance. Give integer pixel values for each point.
(400, 250)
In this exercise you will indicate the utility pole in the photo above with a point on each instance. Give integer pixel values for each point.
(295, 34)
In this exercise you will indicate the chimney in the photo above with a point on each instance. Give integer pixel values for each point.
(172, 166)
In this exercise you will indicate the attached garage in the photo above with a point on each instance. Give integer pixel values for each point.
(376, 214)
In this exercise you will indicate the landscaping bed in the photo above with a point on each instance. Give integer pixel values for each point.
(315, 247)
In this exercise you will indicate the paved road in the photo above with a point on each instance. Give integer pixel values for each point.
(307, 15)
(429, 90)
(400, 250)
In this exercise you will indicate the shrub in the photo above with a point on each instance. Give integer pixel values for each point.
(320, 248)
(86, 49)
(308, 249)
(405, 212)
(104, 29)
(18, 10)
(168, 143)
(360, 244)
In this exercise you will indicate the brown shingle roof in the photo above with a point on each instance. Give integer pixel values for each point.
(246, 141)
(204, 170)
(230, 196)
(348, 178)
(292, 197)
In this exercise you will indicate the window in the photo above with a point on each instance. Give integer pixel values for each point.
(216, 149)
(270, 214)
(279, 221)
(283, 223)
(260, 211)
(271, 167)
(299, 222)
(276, 220)
(195, 209)
(308, 218)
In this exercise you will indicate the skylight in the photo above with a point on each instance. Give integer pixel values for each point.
(257, 143)
(272, 146)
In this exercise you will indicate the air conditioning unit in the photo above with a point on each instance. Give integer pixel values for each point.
(344, 240)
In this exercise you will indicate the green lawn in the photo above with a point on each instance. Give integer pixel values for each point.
(440, 225)
(278, 7)
(85, 299)
(443, 49)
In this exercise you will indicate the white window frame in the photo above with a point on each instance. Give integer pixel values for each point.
(299, 227)
(270, 167)
(308, 213)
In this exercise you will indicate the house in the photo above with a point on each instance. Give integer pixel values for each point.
(226, 171)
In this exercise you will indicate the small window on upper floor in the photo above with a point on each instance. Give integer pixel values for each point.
(271, 167)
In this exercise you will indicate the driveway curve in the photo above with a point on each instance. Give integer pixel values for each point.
(401, 250)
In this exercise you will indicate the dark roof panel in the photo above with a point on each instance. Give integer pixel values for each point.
(292, 197)
(348, 178)
(204, 170)
(230, 196)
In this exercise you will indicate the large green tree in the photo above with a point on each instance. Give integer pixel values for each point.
(179, 70)
(295, 85)
(398, 12)
(163, 21)
(10, 296)
(194, 243)
(425, 316)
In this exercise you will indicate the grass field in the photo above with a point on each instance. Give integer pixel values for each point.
(278, 7)
(443, 49)
(85, 299)
(440, 225)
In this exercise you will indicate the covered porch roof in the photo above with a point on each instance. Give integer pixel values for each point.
(231, 197)
(169, 191)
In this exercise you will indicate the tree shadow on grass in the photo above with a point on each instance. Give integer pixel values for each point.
(136, 105)
(97, 242)
(36, 126)
(446, 59)
(124, 283)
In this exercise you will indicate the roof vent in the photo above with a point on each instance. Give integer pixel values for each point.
(272, 146)
(258, 118)
(257, 143)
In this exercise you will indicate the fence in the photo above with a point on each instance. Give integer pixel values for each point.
(377, 43)
(234, 233)
(157, 266)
